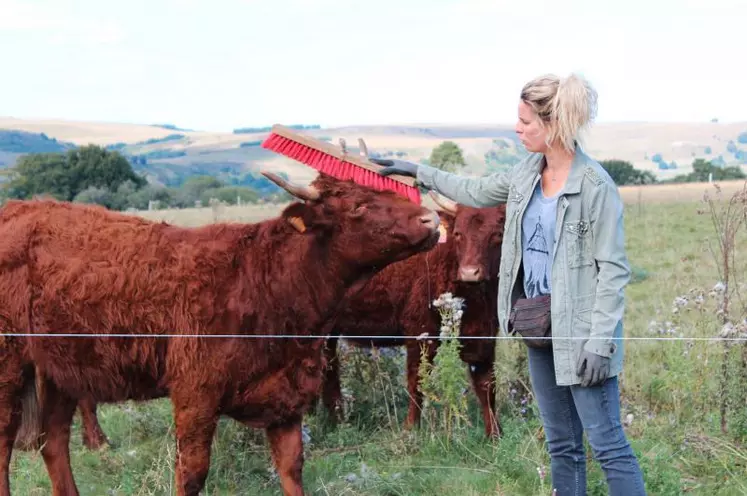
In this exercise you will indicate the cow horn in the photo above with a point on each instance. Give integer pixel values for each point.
(446, 204)
(303, 192)
(363, 148)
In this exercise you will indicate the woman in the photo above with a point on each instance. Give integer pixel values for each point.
(565, 238)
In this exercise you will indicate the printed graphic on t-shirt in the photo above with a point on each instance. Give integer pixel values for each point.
(537, 242)
(537, 256)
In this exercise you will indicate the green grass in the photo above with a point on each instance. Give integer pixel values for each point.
(671, 389)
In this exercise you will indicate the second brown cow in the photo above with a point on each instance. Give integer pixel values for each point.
(396, 302)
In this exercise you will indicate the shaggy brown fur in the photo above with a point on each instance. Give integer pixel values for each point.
(70, 268)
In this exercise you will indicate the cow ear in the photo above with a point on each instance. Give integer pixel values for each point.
(300, 216)
(446, 226)
(447, 220)
(298, 223)
(307, 218)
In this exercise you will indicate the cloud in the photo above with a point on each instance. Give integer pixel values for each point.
(53, 20)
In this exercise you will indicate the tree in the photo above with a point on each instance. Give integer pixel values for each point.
(703, 170)
(195, 186)
(65, 175)
(623, 173)
(447, 156)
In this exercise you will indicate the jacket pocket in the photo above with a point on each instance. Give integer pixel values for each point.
(578, 244)
(583, 306)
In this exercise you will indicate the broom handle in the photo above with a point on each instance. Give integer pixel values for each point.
(329, 149)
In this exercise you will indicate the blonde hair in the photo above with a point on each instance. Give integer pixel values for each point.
(565, 106)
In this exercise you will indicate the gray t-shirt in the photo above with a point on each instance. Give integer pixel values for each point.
(538, 240)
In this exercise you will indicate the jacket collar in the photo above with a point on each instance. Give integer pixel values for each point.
(576, 174)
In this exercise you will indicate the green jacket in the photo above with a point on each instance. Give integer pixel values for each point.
(589, 265)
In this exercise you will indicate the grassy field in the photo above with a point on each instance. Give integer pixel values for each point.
(672, 393)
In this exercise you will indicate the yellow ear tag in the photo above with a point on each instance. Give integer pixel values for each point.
(442, 233)
(297, 222)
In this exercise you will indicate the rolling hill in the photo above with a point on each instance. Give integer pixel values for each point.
(167, 154)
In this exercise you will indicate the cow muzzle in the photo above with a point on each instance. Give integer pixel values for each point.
(470, 273)
(430, 220)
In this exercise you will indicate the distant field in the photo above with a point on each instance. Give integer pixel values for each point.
(638, 143)
(631, 195)
(81, 133)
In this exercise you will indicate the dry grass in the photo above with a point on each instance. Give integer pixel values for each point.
(676, 193)
(631, 195)
(206, 215)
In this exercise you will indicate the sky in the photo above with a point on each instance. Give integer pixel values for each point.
(224, 64)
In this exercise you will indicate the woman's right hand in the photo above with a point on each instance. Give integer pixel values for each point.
(391, 166)
(396, 166)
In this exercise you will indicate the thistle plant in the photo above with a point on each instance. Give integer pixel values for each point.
(444, 382)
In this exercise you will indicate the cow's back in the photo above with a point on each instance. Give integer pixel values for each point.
(91, 271)
(16, 223)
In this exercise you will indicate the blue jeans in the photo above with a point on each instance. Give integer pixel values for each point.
(568, 411)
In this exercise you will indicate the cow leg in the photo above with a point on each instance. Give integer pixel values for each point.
(415, 407)
(196, 421)
(286, 445)
(93, 436)
(332, 394)
(484, 385)
(58, 410)
(11, 386)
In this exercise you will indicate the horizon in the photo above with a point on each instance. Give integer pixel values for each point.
(349, 125)
(439, 63)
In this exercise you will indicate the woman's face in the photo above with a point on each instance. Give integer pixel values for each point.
(530, 130)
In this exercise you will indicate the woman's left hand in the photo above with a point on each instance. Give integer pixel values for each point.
(594, 368)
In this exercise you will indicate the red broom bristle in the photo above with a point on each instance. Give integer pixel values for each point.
(338, 169)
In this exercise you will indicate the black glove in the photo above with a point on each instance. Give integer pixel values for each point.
(594, 368)
(392, 166)
(396, 166)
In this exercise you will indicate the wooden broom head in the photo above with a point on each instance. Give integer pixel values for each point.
(339, 153)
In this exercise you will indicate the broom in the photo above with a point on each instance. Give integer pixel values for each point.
(336, 162)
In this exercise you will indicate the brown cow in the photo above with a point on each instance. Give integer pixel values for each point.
(472, 250)
(70, 268)
(396, 302)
